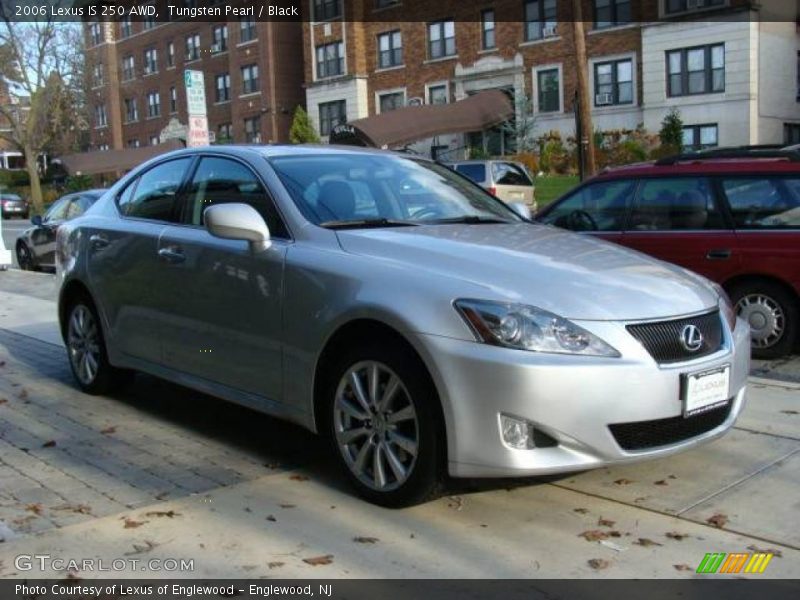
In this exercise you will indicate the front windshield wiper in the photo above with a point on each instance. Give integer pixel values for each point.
(470, 220)
(367, 223)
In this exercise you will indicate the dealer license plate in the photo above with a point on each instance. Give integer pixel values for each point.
(704, 390)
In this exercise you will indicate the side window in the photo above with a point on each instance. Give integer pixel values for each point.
(599, 206)
(221, 180)
(78, 206)
(154, 196)
(510, 174)
(764, 203)
(58, 211)
(676, 203)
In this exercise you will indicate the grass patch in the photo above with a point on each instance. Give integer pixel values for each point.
(550, 187)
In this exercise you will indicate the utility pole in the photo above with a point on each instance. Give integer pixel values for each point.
(585, 135)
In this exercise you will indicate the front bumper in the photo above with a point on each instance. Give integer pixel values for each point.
(572, 399)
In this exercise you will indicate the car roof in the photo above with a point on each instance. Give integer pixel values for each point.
(705, 166)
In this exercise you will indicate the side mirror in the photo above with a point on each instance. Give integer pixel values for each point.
(236, 221)
(521, 209)
(37, 220)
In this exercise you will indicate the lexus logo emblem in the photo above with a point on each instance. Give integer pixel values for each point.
(691, 338)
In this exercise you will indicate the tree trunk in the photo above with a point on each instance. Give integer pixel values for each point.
(32, 166)
(585, 136)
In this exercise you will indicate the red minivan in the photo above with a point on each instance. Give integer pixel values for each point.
(732, 215)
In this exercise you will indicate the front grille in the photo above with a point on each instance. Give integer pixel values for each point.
(663, 339)
(663, 432)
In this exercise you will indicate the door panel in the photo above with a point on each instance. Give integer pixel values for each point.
(43, 237)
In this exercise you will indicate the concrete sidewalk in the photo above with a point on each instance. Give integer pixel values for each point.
(160, 472)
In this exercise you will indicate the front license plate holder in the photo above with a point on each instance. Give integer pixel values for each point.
(704, 390)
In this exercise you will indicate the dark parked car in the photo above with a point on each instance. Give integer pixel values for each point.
(732, 215)
(36, 246)
(13, 205)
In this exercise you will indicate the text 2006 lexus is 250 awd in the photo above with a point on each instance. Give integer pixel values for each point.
(397, 308)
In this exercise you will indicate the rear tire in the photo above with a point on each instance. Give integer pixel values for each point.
(385, 435)
(86, 350)
(25, 257)
(772, 313)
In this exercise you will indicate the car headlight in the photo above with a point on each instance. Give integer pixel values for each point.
(529, 328)
(725, 306)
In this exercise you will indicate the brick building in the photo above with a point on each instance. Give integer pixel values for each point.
(363, 58)
(253, 78)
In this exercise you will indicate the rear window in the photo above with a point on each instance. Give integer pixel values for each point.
(11, 197)
(764, 202)
(510, 174)
(475, 172)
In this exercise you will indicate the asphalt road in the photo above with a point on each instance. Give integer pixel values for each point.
(12, 228)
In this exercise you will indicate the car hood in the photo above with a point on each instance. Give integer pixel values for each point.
(575, 276)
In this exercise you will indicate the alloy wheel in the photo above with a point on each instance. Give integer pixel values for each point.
(24, 258)
(766, 319)
(376, 427)
(83, 343)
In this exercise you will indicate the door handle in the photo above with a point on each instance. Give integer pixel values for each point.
(720, 254)
(98, 241)
(171, 255)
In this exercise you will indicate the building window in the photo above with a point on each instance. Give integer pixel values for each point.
(100, 116)
(610, 13)
(193, 46)
(148, 23)
(441, 39)
(220, 39)
(225, 133)
(247, 29)
(252, 130)
(791, 133)
(98, 75)
(103, 147)
(170, 54)
(131, 113)
(699, 70)
(223, 87)
(437, 94)
(391, 101)
(150, 61)
(487, 30)
(95, 34)
(540, 19)
(390, 49)
(128, 68)
(700, 137)
(153, 104)
(613, 82)
(133, 143)
(327, 9)
(125, 27)
(331, 114)
(672, 7)
(330, 60)
(250, 79)
(385, 3)
(173, 100)
(155, 140)
(548, 90)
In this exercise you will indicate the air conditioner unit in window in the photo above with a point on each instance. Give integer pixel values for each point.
(603, 99)
(415, 102)
(695, 4)
(216, 48)
(549, 31)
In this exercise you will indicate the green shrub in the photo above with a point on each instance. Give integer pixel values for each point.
(14, 179)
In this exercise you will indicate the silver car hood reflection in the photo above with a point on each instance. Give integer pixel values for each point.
(572, 275)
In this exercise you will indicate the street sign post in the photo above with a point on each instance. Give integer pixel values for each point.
(196, 105)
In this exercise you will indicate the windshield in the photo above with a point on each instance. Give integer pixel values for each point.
(384, 190)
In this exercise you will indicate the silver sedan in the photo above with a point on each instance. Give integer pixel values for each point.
(395, 307)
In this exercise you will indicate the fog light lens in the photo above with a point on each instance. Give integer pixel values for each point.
(517, 433)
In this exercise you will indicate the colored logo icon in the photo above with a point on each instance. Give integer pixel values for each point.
(720, 562)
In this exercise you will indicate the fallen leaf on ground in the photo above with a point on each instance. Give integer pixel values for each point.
(162, 513)
(249, 567)
(646, 542)
(623, 481)
(582, 511)
(3, 400)
(598, 563)
(2, 363)
(365, 540)
(674, 535)
(49, 444)
(23, 393)
(142, 548)
(34, 508)
(319, 560)
(790, 412)
(162, 495)
(298, 477)
(275, 565)
(83, 509)
(271, 518)
(683, 567)
(718, 520)
(287, 505)
(456, 502)
(661, 482)
(671, 477)
(606, 522)
(131, 524)
(776, 553)
(248, 509)
(108, 430)
(594, 535)
(272, 465)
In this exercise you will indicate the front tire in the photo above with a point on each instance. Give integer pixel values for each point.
(383, 424)
(25, 257)
(772, 314)
(86, 349)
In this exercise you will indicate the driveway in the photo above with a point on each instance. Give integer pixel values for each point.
(161, 472)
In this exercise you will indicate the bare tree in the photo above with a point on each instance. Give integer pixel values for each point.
(37, 68)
